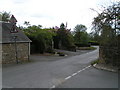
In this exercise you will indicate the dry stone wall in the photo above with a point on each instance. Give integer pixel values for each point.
(9, 52)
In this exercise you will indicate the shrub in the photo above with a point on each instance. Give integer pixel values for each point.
(82, 45)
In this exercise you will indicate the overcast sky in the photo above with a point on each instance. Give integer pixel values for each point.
(49, 13)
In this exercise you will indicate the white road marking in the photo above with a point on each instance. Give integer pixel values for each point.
(68, 77)
(88, 66)
(94, 65)
(53, 86)
(77, 72)
(83, 69)
(74, 74)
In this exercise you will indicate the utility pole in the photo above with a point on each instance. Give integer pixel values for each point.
(16, 55)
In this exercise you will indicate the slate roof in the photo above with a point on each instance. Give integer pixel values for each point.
(8, 37)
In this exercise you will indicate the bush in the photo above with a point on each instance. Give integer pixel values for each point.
(82, 45)
(41, 39)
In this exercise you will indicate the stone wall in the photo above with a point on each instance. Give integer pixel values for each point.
(9, 52)
(110, 55)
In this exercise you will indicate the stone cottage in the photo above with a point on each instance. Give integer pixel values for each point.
(15, 44)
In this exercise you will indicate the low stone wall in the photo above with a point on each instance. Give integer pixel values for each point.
(109, 55)
(9, 52)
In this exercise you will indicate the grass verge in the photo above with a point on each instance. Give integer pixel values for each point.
(87, 48)
(95, 62)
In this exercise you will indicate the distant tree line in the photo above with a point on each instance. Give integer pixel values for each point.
(46, 39)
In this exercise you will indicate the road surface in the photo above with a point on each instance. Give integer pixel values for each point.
(68, 72)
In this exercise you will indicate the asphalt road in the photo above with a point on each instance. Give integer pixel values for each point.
(92, 78)
(67, 72)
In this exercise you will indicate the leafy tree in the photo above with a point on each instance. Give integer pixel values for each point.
(64, 38)
(80, 34)
(62, 26)
(5, 16)
(80, 28)
(41, 38)
(33, 28)
(106, 25)
(94, 38)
